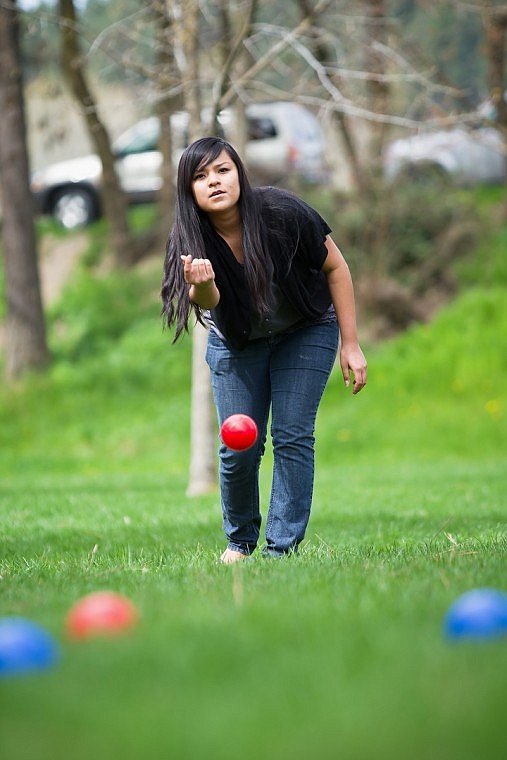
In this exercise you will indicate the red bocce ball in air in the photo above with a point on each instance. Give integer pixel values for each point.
(239, 432)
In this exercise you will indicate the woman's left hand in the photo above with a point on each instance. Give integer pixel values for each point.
(352, 360)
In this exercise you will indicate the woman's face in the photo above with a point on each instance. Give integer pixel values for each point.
(216, 186)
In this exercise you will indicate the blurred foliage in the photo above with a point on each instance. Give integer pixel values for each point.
(404, 228)
(442, 33)
(437, 390)
(448, 37)
(122, 27)
(413, 247)
(97, 311)
(100, 303)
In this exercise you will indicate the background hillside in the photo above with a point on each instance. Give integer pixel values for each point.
(117, 395)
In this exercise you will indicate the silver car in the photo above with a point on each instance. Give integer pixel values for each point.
(284, 139)
(465, 156)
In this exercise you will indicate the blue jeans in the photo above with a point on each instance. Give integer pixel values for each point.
(286, 374)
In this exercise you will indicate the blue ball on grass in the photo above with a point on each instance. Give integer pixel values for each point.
(478, 614)
(25, 647)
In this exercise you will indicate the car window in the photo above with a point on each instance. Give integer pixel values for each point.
(260, 128)
(142, 138)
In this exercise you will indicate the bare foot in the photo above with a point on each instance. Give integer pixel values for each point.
(229, 557)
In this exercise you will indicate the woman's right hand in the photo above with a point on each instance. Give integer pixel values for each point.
(199, 274)
(197, 271)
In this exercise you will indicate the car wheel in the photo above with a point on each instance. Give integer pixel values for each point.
(74, 207)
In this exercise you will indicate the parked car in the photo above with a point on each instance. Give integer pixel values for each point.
(464, 156)
(283, 139)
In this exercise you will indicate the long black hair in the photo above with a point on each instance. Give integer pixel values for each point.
(186, 236)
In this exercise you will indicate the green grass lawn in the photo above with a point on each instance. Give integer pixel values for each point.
(341, 648)
(336, 653)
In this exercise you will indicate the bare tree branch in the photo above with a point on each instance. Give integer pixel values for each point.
(266, 59)
(219, 84)
(339, 102)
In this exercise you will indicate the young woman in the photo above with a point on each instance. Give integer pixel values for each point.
(259, 267)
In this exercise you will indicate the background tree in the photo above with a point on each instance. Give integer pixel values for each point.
(115, 205)
(168, 99)
(494, 18)
(233, 27)
(185, 16)
(25, 334)
(339, 122)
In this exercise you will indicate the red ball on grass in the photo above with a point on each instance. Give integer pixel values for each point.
(102, 613)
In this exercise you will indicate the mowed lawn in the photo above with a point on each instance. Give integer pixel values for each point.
(338, 652)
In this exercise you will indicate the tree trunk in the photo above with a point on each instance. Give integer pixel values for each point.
(25, 333)
(203, 433)
(167, 103)
(203, 423)
(377, 87)
(186, 20)
(495, 25)
(339, 122)
(115, 204)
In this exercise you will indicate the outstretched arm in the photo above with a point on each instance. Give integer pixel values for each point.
(342, 294)
(199, 274)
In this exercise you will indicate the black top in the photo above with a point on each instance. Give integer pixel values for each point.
(295, 235)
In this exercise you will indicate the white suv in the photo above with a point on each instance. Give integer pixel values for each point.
(284, 139)
(461, 155)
